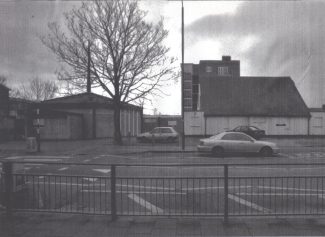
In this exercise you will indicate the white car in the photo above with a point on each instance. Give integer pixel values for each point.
(236, 142)
(159, 134)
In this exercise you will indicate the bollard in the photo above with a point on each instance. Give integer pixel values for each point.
(8, 182)
(226, 219)
(113, 192)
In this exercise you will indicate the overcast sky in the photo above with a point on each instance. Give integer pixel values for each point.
(269, 38)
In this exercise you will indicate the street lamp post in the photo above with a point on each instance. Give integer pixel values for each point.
(38, 136)
(182, 81)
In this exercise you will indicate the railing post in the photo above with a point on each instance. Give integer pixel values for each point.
(113, 192)
(226, 194)
(8, 183)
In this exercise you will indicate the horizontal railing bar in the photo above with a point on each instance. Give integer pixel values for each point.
(215, 177)
(169, 177)
(169, 164)
(60, 175)
(62, 212)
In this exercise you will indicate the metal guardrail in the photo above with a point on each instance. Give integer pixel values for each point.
(113, 194)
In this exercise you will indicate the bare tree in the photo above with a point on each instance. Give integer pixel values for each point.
(127, 56)
(36, 90)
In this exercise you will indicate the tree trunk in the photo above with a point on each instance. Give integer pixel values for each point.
(117, 127)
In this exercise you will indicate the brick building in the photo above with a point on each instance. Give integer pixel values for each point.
(86, 116)
(217, 98)
(6, 122)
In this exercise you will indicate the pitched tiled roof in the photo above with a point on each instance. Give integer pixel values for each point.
(86, 98)
(252, 96)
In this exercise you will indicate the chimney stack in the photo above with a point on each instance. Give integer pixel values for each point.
(226, 58)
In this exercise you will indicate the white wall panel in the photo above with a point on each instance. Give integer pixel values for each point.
(317, 123)
(220, 124)
(194, 123)
(281, 125)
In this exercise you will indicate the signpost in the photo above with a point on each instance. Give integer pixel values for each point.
(38, 123)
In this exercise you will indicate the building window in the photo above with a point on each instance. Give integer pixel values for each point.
(208, 69)
(188, 85)
(223, 71)
(187, 93)
(187, 102)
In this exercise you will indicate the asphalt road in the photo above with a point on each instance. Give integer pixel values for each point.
(175, 190)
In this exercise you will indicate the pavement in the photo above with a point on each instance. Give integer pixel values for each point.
(90, 147)
(68, 225)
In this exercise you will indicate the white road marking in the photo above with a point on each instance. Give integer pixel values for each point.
(258, 168)
(144, 187)
(128, 192)
(37, 157)
(308, 155)
(86, 160)
(280, 194)
(288, 188)
(105, 171)
(217, 187)
(63, 168)
(90, 179)
(69, 184)
(149, 206)
(121, 156)
(33, 164)
(41, 160)
(249, 204)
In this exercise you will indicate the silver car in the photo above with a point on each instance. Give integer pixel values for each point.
(159, 134)
(236, 142)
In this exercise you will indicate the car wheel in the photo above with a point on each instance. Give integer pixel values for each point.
(266, 151)
(218, 151)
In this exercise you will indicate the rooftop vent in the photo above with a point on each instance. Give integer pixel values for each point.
(226, 58)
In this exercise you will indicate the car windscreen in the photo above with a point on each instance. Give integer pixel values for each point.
(253, 128)
(217, 136)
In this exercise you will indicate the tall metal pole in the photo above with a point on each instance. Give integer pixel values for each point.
(38, 138)
(88, 68)
(182, 81)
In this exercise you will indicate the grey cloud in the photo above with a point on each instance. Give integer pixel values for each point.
(22, 55)
(291, 41)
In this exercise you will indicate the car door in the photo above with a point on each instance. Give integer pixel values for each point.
(155, 134)
(165, 133)
(230, 143)
(245, 143)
